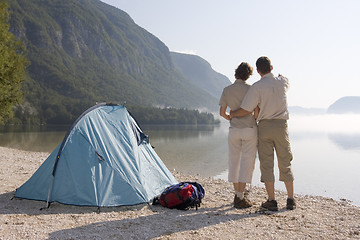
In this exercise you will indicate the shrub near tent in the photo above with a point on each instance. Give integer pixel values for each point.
(104, 160)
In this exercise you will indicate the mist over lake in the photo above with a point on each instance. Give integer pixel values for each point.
(327, 155)
(326, 151)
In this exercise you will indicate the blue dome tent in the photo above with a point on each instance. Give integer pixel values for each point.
(104, 160)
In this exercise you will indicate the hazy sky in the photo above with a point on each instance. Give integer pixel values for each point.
(316, 44)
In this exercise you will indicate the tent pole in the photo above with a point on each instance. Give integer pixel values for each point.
(49, 192)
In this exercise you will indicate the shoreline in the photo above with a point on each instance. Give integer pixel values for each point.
(315, 216)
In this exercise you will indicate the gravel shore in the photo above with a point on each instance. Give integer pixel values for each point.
(315, 217)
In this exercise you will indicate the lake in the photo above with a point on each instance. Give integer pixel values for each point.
(326, 151)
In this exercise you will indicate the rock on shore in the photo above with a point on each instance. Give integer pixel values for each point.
(315, 217)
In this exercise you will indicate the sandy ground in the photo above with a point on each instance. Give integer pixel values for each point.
(315, 217)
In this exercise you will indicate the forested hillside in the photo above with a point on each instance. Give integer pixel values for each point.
(85, 51)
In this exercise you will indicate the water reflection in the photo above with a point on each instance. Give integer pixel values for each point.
(166, 132)
(346, 141)
(35, 138)
(191, 149)
(40, 128)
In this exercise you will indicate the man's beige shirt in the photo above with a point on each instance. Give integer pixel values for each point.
(269, 93)
(232, 97)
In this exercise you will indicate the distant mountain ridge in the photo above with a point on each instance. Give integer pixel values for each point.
(199, 71)
(344, 105)
(348, 104)
(85, 51)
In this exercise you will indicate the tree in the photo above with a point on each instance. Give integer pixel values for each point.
(12, 66)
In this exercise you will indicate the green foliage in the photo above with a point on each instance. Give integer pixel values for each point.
(12, 66)
(171, 116)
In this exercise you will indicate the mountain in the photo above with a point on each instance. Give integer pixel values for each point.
(85, 51)
(349, 104)
(199, 72)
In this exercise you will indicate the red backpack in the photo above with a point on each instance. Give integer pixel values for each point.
(183, 196)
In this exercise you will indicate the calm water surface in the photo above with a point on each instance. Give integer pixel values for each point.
(326, 151)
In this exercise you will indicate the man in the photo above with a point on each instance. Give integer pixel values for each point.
(242, 138)
(269, 94)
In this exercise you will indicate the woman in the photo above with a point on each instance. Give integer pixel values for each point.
(242, 137)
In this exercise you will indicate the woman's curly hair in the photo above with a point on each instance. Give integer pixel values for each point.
(243, 71)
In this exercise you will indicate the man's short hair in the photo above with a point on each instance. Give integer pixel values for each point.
(263, 65)
(243, 71)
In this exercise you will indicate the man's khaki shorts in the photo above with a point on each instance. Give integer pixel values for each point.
(273, 134)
